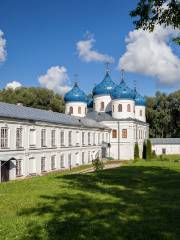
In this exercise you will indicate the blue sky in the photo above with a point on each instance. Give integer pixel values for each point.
(42, 34)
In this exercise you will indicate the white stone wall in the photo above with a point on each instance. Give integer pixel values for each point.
(140, 110)
(169, 148)
(27, 153)
(123, 148)
(102, 98)
(124, 114)
(75, 106)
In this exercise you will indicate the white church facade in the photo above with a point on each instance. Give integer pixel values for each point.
(34, 141)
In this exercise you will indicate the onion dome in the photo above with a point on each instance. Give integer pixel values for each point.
(75, 95)
(139, 100)
(104, 87)
(122, 91)
(90, 103)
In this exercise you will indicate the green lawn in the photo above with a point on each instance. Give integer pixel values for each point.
(137, 201)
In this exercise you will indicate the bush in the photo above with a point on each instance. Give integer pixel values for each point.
(148, 149)
(136, 151)
(97, 164)
(110, 158)
(144, 150)
(163, 158)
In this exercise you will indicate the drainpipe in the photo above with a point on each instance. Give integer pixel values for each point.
(118, 140)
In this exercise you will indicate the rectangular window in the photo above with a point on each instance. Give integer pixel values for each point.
(43, 162)
(53, 162)
(89, 138)
(4, 137)
(43, 138)
(69, 160)
(18, 168)
(94, 139)
(77, 138)
(19, 138)
(62, 161)
(83, 142)
(32, 137)
(83, 158)
(89, 157)
(70, 138)
(102, 106)
(106, 137)
(62, 138)
(53, 138)
(124, 133)
(98, 138)
(103, 137)
(163, 151)
(114, 133)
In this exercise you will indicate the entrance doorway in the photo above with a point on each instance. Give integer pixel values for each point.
(5, 167)
(103, 152)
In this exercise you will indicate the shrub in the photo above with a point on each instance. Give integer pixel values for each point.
(144, 150)
(148, 149)
(97, 164)
(136, 151)
(110, 158)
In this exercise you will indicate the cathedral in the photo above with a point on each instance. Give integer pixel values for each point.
(34, 141)
(121, 109)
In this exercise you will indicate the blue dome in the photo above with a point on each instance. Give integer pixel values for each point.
(75, 95)
(139, 100)
(122, 91)
(90, 103)
(104, 87)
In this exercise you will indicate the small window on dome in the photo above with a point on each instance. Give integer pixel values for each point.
(128, 108)
(120, 108)
(79, 110)
(71, 110)
(113, 108)
(94, 106)
(102, 106)
(140, 112)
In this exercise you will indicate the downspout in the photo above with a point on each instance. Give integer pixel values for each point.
(118, 141)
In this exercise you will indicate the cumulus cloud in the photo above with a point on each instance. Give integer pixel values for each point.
(56, 78)
(87, 54)
(3, 52)
(13, 85)
(149, 53)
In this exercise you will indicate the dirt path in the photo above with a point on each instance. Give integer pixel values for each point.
(107, 166)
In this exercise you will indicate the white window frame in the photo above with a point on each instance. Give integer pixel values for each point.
(43, 164)
(18, 167)
(53, 162)
(4, 137)
(53, 138)
(19, 137)
(43, 137)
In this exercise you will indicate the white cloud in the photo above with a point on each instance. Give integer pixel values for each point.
(149, 54)
(13, 85)
(56, 78)
(87, 54)
(3, 52)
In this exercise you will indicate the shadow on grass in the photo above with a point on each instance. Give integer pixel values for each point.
(131, 202)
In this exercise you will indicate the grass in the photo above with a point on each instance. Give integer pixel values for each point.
(137, 201)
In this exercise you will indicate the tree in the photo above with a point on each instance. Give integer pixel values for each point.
(41, 98)
(136, 151)
(148, 149)
(144, 150)
(153, 12)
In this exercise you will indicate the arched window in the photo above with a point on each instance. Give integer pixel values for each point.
(113, 108)
(85, 110)
(79, 110)
(120, 108)
(128, 108)
(94, 106)
(140, 112)
(102, 106)
(71, 110)
(114, 133)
